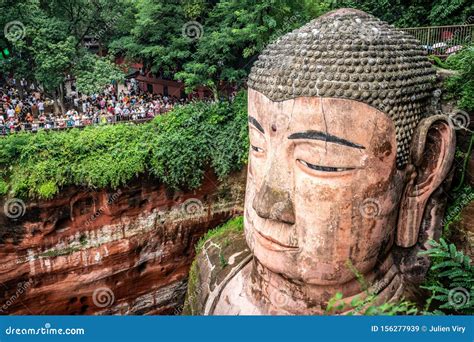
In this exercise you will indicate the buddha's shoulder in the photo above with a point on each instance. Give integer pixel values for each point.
(221, 254)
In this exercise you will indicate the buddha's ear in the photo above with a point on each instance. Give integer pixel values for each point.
(432, 154)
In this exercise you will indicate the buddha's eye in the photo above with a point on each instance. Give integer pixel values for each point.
(324, 168)
(256, 149)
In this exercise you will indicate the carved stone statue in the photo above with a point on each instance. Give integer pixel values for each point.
(345, 177)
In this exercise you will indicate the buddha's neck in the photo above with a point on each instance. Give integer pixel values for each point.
(279, 295)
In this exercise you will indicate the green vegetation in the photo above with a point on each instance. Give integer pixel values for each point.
(194, 293)
(200, 42)
(83, 240)
(450, 280)
(462, 198)
(223, 262)
(59, 252)
(177, 148)
(461, 86)
(367, 305)
(51, 45)
(415, 12)
(93, 73)
(234, 225)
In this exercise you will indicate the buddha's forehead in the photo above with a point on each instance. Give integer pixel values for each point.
(353, 55)
(341, 117)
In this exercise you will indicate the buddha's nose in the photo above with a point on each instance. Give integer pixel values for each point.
(274, 203)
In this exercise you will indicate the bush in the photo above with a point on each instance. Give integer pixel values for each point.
(3, 187)
(450, 280)
(177, 148)
(462, 85)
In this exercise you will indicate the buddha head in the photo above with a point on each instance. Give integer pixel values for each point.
(344, 155)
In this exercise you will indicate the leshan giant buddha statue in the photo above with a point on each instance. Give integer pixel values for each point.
(345, 173)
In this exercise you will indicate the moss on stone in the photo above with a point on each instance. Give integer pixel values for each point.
(192, 300)
(234, 225)
(223, 236)
(59, 252)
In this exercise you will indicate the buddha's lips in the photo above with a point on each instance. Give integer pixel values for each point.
(273, 242)
(272, 233)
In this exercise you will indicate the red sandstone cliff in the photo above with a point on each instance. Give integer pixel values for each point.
(124, 251)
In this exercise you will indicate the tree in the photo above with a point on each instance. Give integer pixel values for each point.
(156, 39)
(93, 74)
(52, 42)
(234, 34)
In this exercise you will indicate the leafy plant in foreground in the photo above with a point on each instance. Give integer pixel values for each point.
(450, 281)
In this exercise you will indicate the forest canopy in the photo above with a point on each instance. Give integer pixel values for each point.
(200, 42)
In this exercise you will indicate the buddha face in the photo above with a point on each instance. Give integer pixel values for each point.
(322, 188)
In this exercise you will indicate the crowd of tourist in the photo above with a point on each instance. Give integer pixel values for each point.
(24, 107)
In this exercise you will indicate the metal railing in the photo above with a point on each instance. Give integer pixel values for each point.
(443, 40)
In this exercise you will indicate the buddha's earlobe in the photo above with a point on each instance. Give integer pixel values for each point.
(432, 154)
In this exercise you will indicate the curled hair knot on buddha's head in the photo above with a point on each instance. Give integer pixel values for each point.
(353, 55)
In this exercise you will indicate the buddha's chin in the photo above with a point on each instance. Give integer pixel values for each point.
(293, 269)
(292, 264)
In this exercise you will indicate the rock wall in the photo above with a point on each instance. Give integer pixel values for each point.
(125, 251)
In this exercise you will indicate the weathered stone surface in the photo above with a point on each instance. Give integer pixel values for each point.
(124, 251)
(466, 227)
(352, 55)
(220, 258)
(345, 181)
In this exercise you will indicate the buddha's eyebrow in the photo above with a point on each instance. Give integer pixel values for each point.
(316, 135)
(257, 125)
